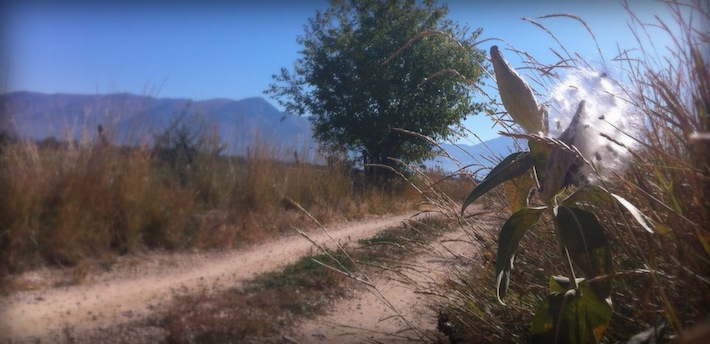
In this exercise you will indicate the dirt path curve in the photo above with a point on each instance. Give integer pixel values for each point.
(367, 319)
(130, 294)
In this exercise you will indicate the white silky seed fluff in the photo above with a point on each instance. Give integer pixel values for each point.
(607, 112)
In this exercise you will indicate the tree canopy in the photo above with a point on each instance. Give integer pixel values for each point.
(371, 72)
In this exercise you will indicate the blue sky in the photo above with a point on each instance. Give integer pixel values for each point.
(230, 49)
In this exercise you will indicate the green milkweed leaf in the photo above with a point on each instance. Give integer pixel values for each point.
(552, 323)
(512, 166)
(571, 316)
(597, 194)
(588, 193)
(508, 241)
(539, 153)
(517, 191)
(587, 245)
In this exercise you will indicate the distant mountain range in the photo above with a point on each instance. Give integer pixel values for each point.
(132, 119)
(475, 158)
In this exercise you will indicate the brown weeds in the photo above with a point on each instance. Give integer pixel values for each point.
(63, 203)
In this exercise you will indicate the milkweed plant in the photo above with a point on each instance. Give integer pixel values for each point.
(577, 142)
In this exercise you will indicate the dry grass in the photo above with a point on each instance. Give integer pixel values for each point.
(62, 204)
(662, 278)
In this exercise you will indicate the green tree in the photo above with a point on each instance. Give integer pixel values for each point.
(369, 68)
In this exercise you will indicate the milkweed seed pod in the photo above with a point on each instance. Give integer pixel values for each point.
(564, 166)
(517, 96)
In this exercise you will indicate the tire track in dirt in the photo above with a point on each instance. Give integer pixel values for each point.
(122, 297)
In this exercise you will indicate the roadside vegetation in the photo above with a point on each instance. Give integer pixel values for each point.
(67, 202)
(658, 279)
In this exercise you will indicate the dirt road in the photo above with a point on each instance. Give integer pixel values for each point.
(396, 309)
(132, 293)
